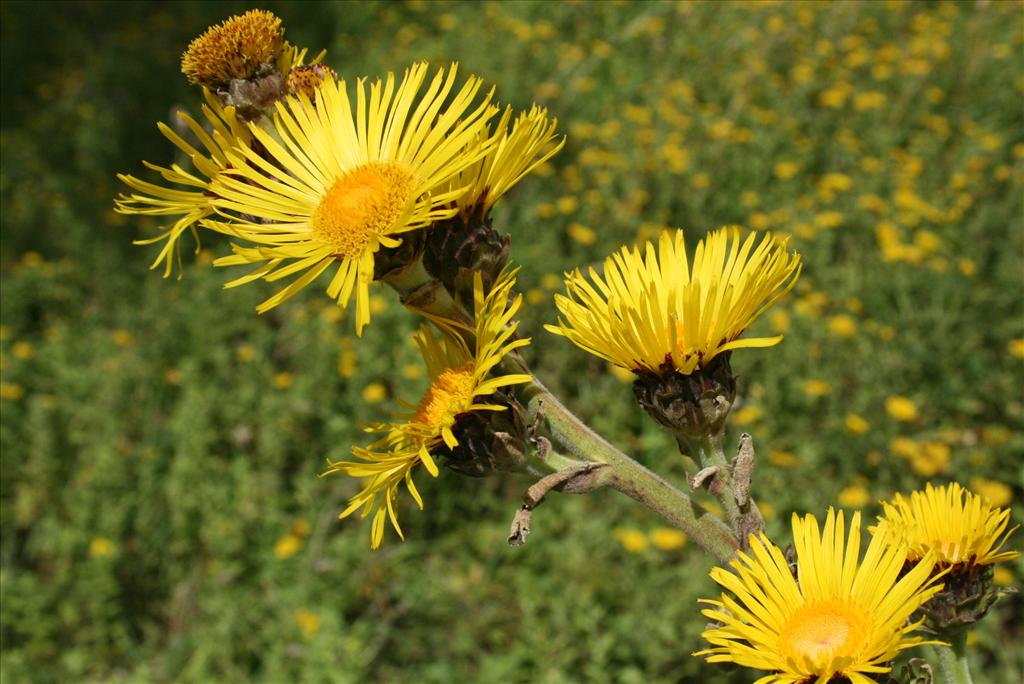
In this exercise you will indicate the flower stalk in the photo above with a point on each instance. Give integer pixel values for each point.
(722, 479)
(952, 661)
(629, 477)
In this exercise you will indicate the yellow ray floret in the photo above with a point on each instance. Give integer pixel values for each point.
(510, 157)
(959, 527)
(650, 308)
(194, 203)
(460, 380)
(334, 184)
(837, 619)
(235, 48)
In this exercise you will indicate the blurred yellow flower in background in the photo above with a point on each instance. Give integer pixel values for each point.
(101, 547)
(854, 496)
(632, 540)
(11, 391)
(856, 425)
(842, 325)
(308, 623)
(375, 392)
(930, 459)
(287, 546)
(997, 493)
(668, 538)
(901, 408)
(815, 388)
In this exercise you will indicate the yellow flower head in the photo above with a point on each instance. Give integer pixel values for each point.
(959, 527)
(235, 48)
(459, 377)
(335, 184)
(195, 202)
(510, 157)
(836, 619)
(649, 308)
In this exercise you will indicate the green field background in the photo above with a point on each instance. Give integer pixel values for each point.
(162, 515)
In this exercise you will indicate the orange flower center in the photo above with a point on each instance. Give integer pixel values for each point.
(449, 394)
(822, 636)
(364, 203)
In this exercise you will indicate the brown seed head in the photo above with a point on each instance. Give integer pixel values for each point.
(235, 48)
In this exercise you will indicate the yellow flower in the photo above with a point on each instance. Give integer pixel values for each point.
(632, 540)
(650, 310)
(931, 459)
(783, 459)
(949, 522)
(582, 234)
(308, 622)
(1002, 577)
(780, 321)
(283, 380)
(856, 425)
(901, 408)
(786, 169)
(904, 446)
(374, 393)
(122, 338)
(872, 99)
(458, 377)
(338, 184)
(11, 391)
(834, 621)
(101, 547)
(815, 388)
(1016, 347)
(997, 493)
(746, 415)
(842, 325)
(235, 48)
(509, 157)
(22, 350)
(668, 538)
(287, 546)
(854, 496)
(245, 353)
(189, 206)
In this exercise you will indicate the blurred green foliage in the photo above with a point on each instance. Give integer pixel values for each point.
(162, 518)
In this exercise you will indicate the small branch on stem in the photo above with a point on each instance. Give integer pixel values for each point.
(578, 480)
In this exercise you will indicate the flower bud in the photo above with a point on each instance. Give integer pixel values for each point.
(456, 249)
(692, 406)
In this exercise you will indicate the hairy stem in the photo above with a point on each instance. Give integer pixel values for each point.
(952, 661)
(741, 512)
(630, 477)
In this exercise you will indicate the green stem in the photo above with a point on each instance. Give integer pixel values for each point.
(711, 455)
(952, 661)
(631, 478)
(424, 294)
(552, 462)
